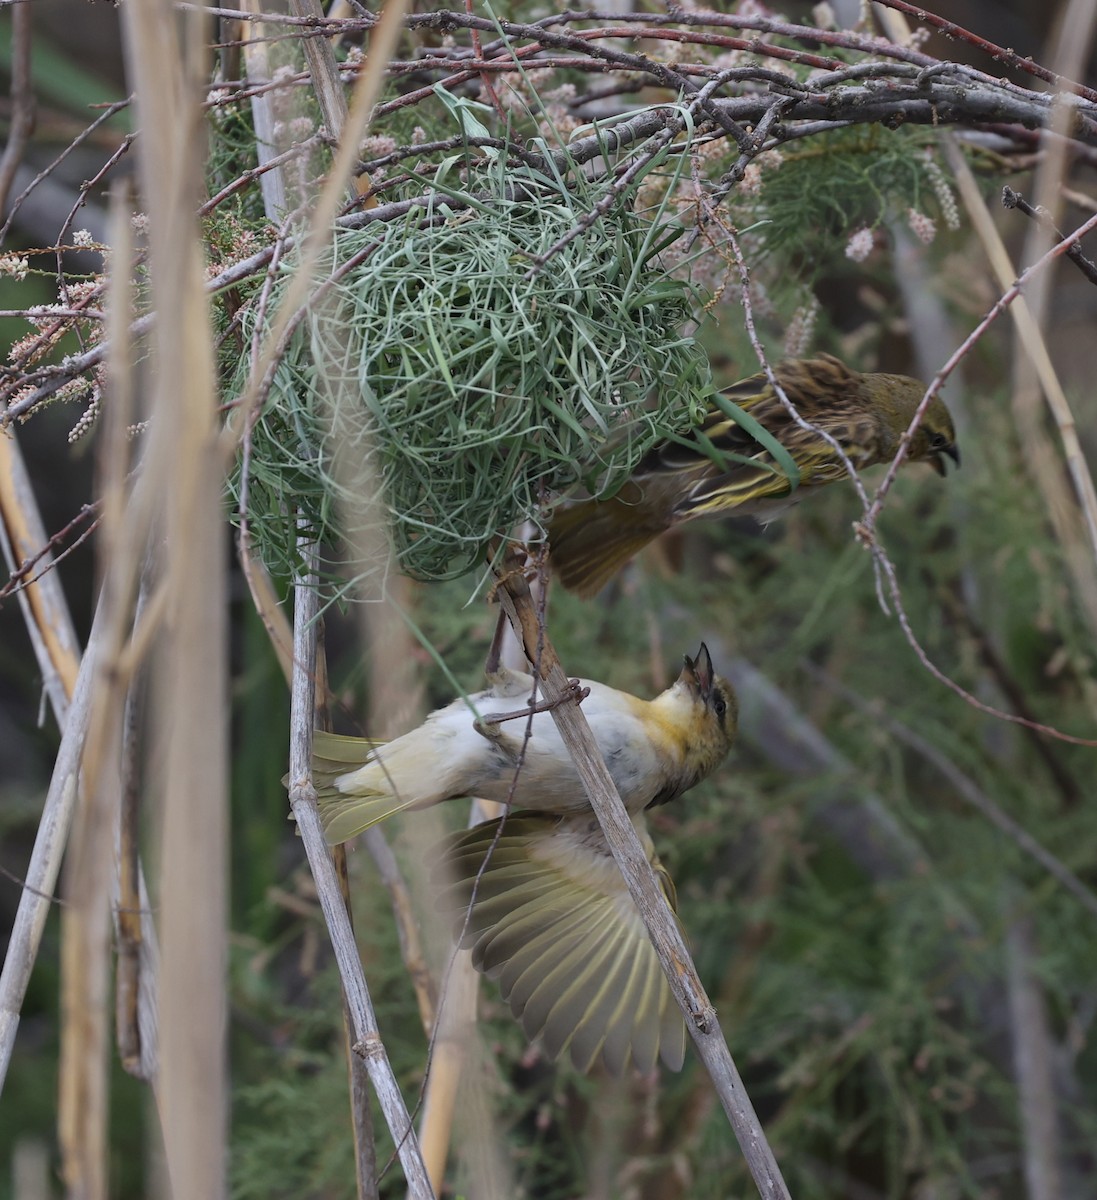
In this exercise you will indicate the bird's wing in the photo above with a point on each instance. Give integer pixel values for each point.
(751, 474)
(553, 921)
(751, 477)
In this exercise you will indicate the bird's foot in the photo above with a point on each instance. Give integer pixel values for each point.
(489, 726)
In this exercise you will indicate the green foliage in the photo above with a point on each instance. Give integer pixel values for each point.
(838, 182)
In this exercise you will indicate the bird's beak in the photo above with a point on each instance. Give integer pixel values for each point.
(698, 674)
(939, 462)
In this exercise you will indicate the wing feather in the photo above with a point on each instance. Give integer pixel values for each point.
(553, 922)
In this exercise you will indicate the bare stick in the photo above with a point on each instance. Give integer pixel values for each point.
(303, 802)
(1012, 199)
(45, 863)
(1033, 1061)
(53, 636)
(42, 601)
(1009, 58)
(320, 56)
(272, 183)
(642, 884)
(167, 62)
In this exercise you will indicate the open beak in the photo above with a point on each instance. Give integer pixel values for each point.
(939, 462)
(698, 674)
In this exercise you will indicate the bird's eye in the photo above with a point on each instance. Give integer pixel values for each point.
(938, 442)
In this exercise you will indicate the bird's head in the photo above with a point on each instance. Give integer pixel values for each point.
(718, 719)
(898, 398)
(697, 718)
(935, 438)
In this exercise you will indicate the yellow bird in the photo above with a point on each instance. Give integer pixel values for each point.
(655, 750)
(867, 414)
(552, 921)
(547, 911)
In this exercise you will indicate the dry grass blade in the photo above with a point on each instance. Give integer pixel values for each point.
(85, 960)
(1040, 457)
(45, 863)
(166, 64)
(42, 602)
(366, 90)
(53, 636)
(1034, 1053)
(393, 703)
(136, 995)
(86, 920)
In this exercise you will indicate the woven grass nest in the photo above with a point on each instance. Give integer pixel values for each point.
(440, 385)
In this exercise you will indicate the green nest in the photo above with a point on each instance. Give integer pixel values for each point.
(440, 390)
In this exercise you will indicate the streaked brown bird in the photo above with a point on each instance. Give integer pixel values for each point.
(553, 923)
(867, 414)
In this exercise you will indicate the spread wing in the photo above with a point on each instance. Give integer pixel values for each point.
(553, 922)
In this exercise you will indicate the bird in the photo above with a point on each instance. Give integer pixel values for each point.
(540, 902)
(688, 478)
(655, 750)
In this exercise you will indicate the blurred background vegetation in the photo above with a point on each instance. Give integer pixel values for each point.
(909, 996)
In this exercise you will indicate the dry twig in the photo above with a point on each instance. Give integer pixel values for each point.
(303, 802)
(1012, 199)
(643, 886)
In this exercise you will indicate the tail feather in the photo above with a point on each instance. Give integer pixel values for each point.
(592, 540)
(342, 815)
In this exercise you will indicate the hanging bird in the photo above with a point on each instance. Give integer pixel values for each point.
(552, 921)
(655, 750)
(867, 414)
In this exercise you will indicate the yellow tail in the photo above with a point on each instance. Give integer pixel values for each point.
(591, 541)
(342, 815)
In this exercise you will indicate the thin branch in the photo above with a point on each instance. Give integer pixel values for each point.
(49, 844)
(674, 956)
(959, 98)
(1012, 199)
(53, 635)
(303, 802)
(864, 529)
(1009, 296)
(46, 171)
(21, 577)
(1016, 694)
(1009, 58)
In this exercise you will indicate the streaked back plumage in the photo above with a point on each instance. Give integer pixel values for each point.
(866, 414)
